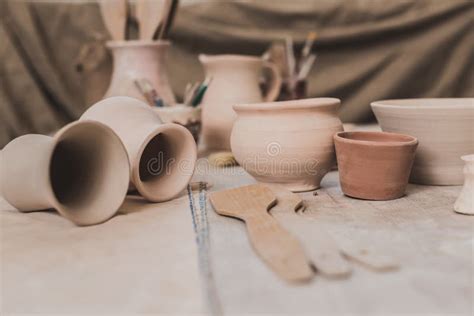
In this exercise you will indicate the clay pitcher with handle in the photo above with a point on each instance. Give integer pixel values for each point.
(235, 80)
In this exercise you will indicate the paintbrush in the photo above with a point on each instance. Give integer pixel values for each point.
(308, 44)
(189, 95)
(290, 58)
(147, 90)
(201, 91)
(306, 66)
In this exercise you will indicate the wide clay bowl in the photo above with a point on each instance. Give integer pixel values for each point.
(289, 142)
(374, 165)
(444, 128)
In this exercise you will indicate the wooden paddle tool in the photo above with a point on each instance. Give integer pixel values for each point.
(320, 247)
(114, 14)
(279, 250)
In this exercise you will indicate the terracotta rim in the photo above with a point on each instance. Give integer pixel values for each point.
(147, 190)
(392, 139)
(137, 43)
(425, 103)
(205, 58)
(287, 105)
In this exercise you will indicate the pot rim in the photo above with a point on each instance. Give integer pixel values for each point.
(206, 58)
(145, 190)
(288, 105)
(137, 43)
(431, 103)
(53, 198)
(403, 139)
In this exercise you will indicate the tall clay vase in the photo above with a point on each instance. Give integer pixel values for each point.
(465, 202)
(162, 156)
(82, 172)
(235, 80)
(134, 60)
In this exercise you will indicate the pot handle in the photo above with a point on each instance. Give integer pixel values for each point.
(274, 90)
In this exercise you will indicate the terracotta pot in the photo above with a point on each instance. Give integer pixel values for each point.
(162, 156)
(374, 165)
(235, 79)
(444, 128)
(288, 142)
(465, 202)
(82, 172)
(139, 59)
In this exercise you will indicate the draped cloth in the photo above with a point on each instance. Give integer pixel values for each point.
(54, 64)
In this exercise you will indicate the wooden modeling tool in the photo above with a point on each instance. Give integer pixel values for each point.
(358, 251)
(114, 14)
(149, 14)
(277, 248)
(321, 249)
(169, 9)
(368, 258)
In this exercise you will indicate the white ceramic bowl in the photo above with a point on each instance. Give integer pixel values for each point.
(445, 131)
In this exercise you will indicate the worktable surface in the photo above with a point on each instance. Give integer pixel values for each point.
(147, 260)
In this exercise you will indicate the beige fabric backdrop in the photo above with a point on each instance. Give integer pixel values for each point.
(368, 50)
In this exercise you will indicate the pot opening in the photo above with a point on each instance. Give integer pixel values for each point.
(166, 163)
(377, 137)
(89, 173)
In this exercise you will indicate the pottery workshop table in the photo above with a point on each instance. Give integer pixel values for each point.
(147, 260)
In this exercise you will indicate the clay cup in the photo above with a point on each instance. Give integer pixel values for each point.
(374, 165)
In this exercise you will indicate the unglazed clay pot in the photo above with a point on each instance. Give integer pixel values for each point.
(162, 156)
(465, 202)
(82, 172)
(287, 142)
(235, 80)
(374, 165)
(444, 128)
(133, 60)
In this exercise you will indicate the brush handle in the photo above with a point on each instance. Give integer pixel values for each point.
(274, 89)
(278, 249)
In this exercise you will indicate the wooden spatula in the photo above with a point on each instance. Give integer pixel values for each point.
(321, 249)
(278, 249)
(114, 13)
(367, 256)
(149, 14)
(361, 250)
